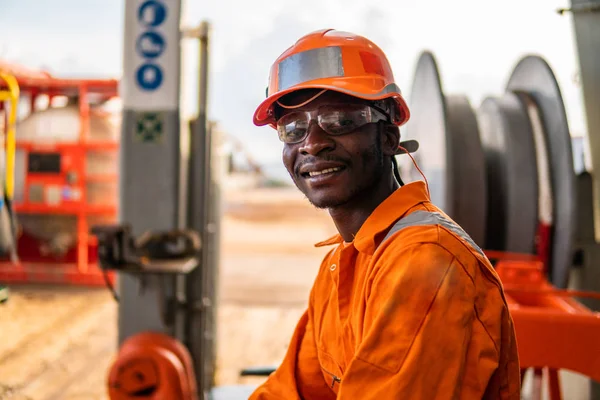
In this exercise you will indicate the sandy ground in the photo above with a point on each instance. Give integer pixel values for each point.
(57, 343)
(268, 265)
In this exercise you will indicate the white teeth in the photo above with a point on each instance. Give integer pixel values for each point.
(325, 171)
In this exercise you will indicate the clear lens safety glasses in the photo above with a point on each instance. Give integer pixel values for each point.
(336, 120)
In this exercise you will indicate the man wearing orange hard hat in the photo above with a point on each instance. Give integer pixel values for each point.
(405, 305)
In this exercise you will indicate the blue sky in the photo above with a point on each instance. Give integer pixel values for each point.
(476, 42)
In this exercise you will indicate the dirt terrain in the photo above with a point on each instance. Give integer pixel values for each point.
(56, 343)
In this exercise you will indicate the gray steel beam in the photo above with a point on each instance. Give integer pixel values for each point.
(200, 322)
(586, 24)
(150, 151)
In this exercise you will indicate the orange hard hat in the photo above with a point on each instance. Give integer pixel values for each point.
(333, 60)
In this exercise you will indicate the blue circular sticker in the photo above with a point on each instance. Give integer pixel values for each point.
(149, 76)
(150, 45)
(152, 13)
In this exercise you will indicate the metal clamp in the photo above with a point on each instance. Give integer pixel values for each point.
(168, 252)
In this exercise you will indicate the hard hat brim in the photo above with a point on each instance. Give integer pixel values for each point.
(264, 112)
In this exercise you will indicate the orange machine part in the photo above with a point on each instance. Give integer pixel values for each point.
(152, 366)
(79, 265)
(554, 331)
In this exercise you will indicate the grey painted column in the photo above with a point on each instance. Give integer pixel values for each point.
(202, 217)
(586, 22)
(150, 151)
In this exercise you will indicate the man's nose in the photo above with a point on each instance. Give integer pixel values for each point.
(316, 141)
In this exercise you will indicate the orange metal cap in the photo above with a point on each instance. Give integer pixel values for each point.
(337, 61)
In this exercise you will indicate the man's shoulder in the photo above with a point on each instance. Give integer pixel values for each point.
(429, 225)
(426, 233)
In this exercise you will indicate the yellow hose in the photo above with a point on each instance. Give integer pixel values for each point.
(12, 94)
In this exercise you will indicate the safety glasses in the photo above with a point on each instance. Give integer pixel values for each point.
(336, 120)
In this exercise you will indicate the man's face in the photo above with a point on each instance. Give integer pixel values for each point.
(334, 170)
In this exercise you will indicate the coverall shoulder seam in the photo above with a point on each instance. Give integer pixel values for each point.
(475, 308)
(476, 260)
(466, 271)
(486, 331)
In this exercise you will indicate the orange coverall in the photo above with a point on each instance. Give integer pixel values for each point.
(419, 316)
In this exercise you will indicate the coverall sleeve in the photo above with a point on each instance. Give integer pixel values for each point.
(417, 329)
(299, 376)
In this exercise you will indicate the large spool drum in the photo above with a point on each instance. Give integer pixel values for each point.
(450, 152)
(512, 172)
(534, 82)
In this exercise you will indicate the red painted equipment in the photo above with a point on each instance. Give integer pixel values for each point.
(554, 331)
(152, 366)
(63, 187)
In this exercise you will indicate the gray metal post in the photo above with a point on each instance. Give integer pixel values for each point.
(150, 151)
(586, 21)
(214, 251)
(198, 335)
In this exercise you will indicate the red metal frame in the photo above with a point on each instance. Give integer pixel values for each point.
(554, 330)
(78, 266)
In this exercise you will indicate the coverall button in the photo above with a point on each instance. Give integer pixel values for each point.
(333, 266)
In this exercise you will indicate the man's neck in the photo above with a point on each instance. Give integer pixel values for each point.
(351, 216)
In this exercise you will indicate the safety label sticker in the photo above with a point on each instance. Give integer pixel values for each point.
(149, 127)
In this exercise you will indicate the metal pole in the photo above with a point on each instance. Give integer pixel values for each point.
(586, 23)
(150, 149)
(199, 177)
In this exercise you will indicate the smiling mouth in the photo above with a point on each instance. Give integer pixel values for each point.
(322, 172)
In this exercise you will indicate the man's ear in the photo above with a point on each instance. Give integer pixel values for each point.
(391, 139)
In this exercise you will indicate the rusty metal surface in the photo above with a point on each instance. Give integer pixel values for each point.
(512, 174)
(533, 76)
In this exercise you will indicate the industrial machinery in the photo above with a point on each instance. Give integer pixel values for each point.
(505, 172)
(65, 167)
(164, 245)
(511, 157)
(150, 365)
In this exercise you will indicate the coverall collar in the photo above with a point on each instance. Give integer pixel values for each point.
(384, 216)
